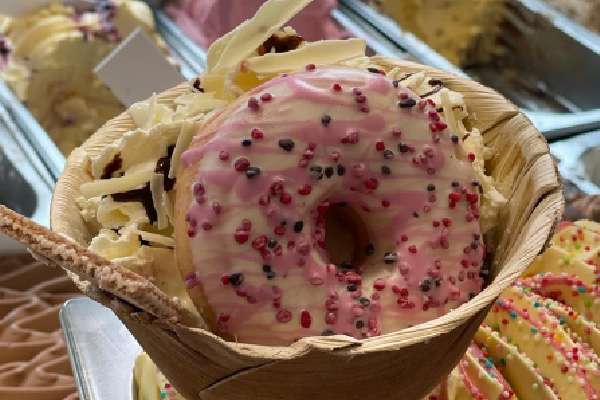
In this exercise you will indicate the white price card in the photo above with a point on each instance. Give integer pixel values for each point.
(137, 68)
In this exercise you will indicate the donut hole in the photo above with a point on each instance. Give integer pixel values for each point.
(346, 235)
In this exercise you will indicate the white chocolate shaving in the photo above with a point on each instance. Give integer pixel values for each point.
(186, 134)
(245, 39)
(158, 195)
(125, 183)
(325, 52)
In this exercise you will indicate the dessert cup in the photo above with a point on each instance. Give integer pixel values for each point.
(200, 364)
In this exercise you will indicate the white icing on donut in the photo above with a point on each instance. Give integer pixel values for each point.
(291, 149)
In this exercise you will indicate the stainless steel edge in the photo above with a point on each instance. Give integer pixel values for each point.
(569, 154)
(554, 125)
(38, 138)
(25, 183)
(360, 29)
(188, 51)
(101, 350)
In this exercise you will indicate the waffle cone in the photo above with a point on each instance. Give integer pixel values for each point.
(404, 364)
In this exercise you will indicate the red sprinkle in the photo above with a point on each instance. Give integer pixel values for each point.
(472, 197)
(257, 134)
(279, 230)
(446, 221)
(311, 67)
(471, 157)
(241, 236)
(379, 145)
(223, 155)
(412, 248)
(397, 133)
(454, 197)
(379, 284)
(385, 203)
(217, 208)
(305, 319)
(207, 226)
(241, 164)
(305, 189)
(285, 198)
(253, 104)
(246, 224)
(283, 316)
(404, 238)
(266, 97)
(225, 279)
(371, 183)
(337, 87)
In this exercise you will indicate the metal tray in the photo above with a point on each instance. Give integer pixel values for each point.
(578, 161)
(192, 60)
(101, 349)
(546, 47)
(24, 181)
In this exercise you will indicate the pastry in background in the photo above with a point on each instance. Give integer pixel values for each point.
(47, 57)
(583, 207)
(206, 20)
(461, 31)
(586, 12)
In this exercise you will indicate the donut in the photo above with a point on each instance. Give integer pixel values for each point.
(331, 200)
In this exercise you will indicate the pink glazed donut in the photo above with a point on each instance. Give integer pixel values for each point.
(328, 201)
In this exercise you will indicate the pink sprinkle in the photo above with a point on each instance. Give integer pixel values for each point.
(447, 222)
(266, 97)
(264, 200)
(207, 226)
(311, 67)
(257, 134)
(191, 232)
(404, 238)
(364, 109)
(412, 249)
(361, 99)
(305, 190)
(223, 155)
(283, 316)
(198, 189)
(305, 319)
(330, 318)
(334, 156)
(224, 317)
(379, 145)
(279, 230)
(397, 133)
(216, 206)
(260, 242)
(356, 91)
(337, 87)
(403, 96)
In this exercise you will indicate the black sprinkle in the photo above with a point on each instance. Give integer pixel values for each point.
(434, 82)
(252, 172)
(246, 142)
(327, 332)
(396, 83)
(425, 285)
(408, 103)
(416, 214)
(474, 244)
(286, 144)
(402, 148)
(388, 154)
(360, 324)
(405, 77)
(298, 226)
(364, 301)
(316, 172)
(270, 275)
(352, 287)
(329, 172)
(370, 249)
(345, 265)
(266, 268)
(385, 170)
(341, 170)
(476, 236)
(472, 295)
(455, 184)
(454, 139)
(236, 279)
(272, 243)
(373, 70)
(430, 187)
(390, 258)
(326, 120)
